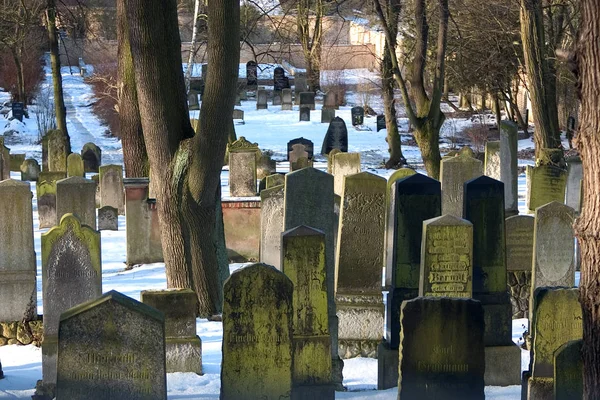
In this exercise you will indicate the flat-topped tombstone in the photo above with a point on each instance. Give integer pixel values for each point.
(112, 191)
(108, 219)
(455, 171)
(30, 170)
(257, 334)
(519, 257)
(358, 115)
(101, 357)
(17, 256)
(344, 164)
(574, 177)
(286, 99)
(441, 350)
(261, 99)
(76, 195)
(508, 164)
(545, 184)
(278, 75)
(46, 197)
(72, 274)
(271, 225)
(75, 165)
(336, 137)
(242, 168)
(251, 73)
(300, 83)
(568, 371)
(307, 99)
(238, 115)
(330, 101)
(58, 149)
(447, 258)
(492, 160)
(304, 113)
(308, 146)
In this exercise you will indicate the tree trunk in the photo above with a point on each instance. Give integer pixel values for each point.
(497, 111)
(20, 78)
(427, 136)
(193, 50)
(587, 226)
(311, 43)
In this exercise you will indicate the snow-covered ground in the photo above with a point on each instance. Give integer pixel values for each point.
(272, 129)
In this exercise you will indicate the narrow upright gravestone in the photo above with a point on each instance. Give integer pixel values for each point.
(17, 256)
(242, 168)
(455, 171)
(574, 177)
(72, 274)
(545, 184)
(358, 115)
(286, 99)
(251, 74)
(303, 261)
(508, 165)
(92, 157)
(568, 371)
(76, 195)
(271, 225)
(112, 347)
(257, 335)
(330, 101)
(381, 122)
(441, 350)
(307, 99)
(327, 115)
(261, 100)
(112, 191)
(492, 164)
(75, 165)
(336, 137)
(344, 164)
(58, 149)
(519, 256)
(359, 262)
(30, 170)
(304, 113)
(46, 197)
(108, 219)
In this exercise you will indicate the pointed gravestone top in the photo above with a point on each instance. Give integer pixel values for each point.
(303, 230)
(13, 183)
(445, 220)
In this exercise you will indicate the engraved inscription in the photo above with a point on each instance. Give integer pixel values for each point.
(448, 259)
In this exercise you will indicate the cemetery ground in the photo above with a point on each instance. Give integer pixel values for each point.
(271, 129)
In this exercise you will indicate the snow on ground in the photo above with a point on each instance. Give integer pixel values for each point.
(272, 129)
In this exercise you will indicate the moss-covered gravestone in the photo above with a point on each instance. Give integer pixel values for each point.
(71, 274)
(519, 255)
(455, 171)
(359, 262)
(17, 256)
(441, 350)
(568, 371)
(75, 165)
(242, 168)
(92, 157)
(30, 170)
(344, 164)
(46, 197)
(15, 162)
(491, 166)
(4, 162)
(76, 195)
(557, 319)
(545, 184)
(274, 180)
(271, 225)
(257, 335)
(112, 347)
(508, 165)
(112, 192)
(412, 200)
(108, 219)
(58, 150)
(303, 261)
(446, 258)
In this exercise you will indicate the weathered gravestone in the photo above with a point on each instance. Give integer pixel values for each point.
(327, 115)
(4, 161)
(251, 74)
(303, 261)
(30, 170)
(265, 166)
(304, 113)
(58, 149)
(108, 219)
(358, 115)
(112, 347)
(18, 110)
(492, 163)
(446, 258)
(286, 99)
(307, 99)
(359, 262)
(556, 320)
(308, 146)
(257, 335)
(568, 371)
(182, 346)
(381, 122)
(298, 152)
(242, 168)
(46, 197)
(300, 84)
(519, 255)
(455, 171)
(276, 97)
(76, 195)
(344, 164)
(574, 181)
(508, 165)
(545, 184)
(112, 192)
(274, 180)
(92, 157)
(192, 99)
(17, 256)
(15, 162)
(238, 116)
(71, 275)
(75, 165)
(441, 350)
(278, 75)
(336, 137)
(261, 99)
(330, 101)
(271, 225)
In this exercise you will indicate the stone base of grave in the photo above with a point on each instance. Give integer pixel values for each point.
(502, 365)
(387, 366)
(44, 391)
(519, 283)
(350, 348)
(184, 354)
(524, 381)
(540, 389)
(360, 324)
(313, 392)
(337, 376)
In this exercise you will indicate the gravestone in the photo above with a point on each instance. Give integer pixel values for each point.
(508, 166)
(112, 347)
(300, 83)
(58, 149)
(358, 115)
(330, 156)
(112, 192)
(574, 181)
(261, 100)
(336, 137)
(286, 99)
(568, 371)
(446, 258)
(303, 261)
(46, 197)
(381, 122)
(271, 225)
(308, 146)
(276, 97)
(519, 256)
(455, 171)
(183, 347)
(307, 99)
(238, 115)
(15, 162)
(330, 101)
(359, 262)
(556, 320)
(18, 292)
(92, 157)
(304, 113)
(242, 168)
(327, 115)
(344, 164)
(75, 165)
(18, 110)
(278, 79)
(4, 162)
(30, 170)
(274, 180)
(265, 166)
(251, 74)
(72, 274)
(441, 350)
(545, 184)
(192, 99)
(257, 334)
(298, 152)
(76, 195)
(108, 219)
(492, 166)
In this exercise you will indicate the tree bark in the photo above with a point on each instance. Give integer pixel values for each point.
(20, 78)
(193, 50)
(587, 226)
(311, 44)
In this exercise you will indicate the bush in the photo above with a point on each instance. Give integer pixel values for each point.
(478, 135)
(104, 84)
(337, 85)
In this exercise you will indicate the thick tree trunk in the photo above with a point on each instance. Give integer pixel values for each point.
(193, 45)
(427, 136)
(311, 40)
(20, 78)
(587, 226)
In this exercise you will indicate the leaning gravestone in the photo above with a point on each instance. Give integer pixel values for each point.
(242, 168)
(46, 197)
(76, 195)
(492, 163)
(574, 181)
(358, 115)
(455, 171)
(307, 99)
(545, 184)
(92, 157)
(17, 256)
(336, 137)
(112, 347)
(257, 335)
(446, 258)
(72, 274)
(441, 350)
(303, 261)
(271, 225)
(30, 170)
(359, 262)
(344, 164)
(286, 99)
(308, 146)
(108, 219)
(261, 100)
(58, 149)
(304, 113)
(75, 165)
(568, 371)
(519, 256)
(112, 191)
(508, 165)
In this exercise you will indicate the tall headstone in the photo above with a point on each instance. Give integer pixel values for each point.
(519, 256)
(257, 335)
(574, 181)
(344, 164)
(242, 168)
(492, 165)
(441, 350)
(76, 195)
(100, 356)
(307, 99)
(286, 100)
(336, 137)
(303, 261)
(358, 115)
(75, 165)
(112, 192)
(261, 100)
(271, 225)
(455, 171)
(18, 292)
(46, 197)
(278, 78)
(92, 157)
(381, 122)
(545, 184)
(30, 170)
(330, 101)
(72, 274)
(252, 74)
(568, 371)
(58, 150)
(182, 346)
(300, 84)
(508, 166)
